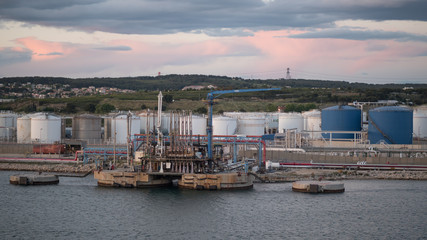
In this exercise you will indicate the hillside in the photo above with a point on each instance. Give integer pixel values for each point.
(295, 94)
(177, 82)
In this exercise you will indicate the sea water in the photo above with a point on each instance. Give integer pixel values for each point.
(77, 208)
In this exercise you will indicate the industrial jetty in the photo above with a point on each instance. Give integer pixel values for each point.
(226, 151)
(190, 161)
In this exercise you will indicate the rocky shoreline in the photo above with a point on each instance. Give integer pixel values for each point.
(292, 175)
(65, 169)
(287, 175)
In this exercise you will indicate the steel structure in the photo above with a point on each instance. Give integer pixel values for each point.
(210, 101)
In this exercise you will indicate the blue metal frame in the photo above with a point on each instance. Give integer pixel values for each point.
(102, 151)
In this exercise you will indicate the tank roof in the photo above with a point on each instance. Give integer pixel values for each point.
(392, 109)
(44, 116)
(341, 107)
(24, 117)
(87, 116)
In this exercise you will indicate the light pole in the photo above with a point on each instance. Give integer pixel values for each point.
(40, 138)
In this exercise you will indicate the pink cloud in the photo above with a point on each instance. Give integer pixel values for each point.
(45, 50)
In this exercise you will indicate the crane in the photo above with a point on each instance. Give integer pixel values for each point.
(210, 101)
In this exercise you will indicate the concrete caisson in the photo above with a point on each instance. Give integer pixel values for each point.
(391, 124)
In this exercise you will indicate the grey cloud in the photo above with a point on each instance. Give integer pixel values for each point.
(170, 16)
(375, 47)
(115, 48)
(227, 32)
(361, 35)
(51, 54)
(45, 4)
(11, 56)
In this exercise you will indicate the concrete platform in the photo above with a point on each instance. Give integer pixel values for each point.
(122, 178)
(33, 179)
(318, 187)
(219, 181)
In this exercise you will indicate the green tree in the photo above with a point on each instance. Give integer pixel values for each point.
(168, 98)
(90, 108)
(271, 108)
(104, 108)
(201, 110)
(70, 108)
(30, 108)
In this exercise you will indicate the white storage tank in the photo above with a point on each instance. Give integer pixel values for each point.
(291, 121)
(240, 115)
(251, 126)
(272, 122)
(144, 117)
(199, 125)
(313, 122)
(224, 125)
(23, 129)
(7, 126)
(119, 128)
(166, 121)
(45, 128)
(420, 122)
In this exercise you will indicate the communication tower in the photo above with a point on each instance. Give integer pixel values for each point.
(288, 73)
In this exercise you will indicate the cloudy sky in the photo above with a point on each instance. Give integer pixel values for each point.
(373, 41)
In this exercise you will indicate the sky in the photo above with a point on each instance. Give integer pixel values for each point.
(370, 41)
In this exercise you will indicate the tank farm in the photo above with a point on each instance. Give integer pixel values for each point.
(217, 152)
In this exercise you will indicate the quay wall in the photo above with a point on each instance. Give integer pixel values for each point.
(14, 148)
(282, 156)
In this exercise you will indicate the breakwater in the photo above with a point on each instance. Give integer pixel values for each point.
(291, 175)
(48, 167)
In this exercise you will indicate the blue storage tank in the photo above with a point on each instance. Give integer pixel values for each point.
(341, 118)
(392, 124)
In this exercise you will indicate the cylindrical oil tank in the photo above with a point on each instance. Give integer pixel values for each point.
(23, 129)
(86, 127)
(313, 122)
(341, 118)
(107, 128)
(119, 127)
(144, 118)
(271, 122)
(199, 125)
(45, 128)
(251, 126)
(7, 126)
(224, 125)
(166, 121)
(290, 121)
(420, 122)
(391, 124)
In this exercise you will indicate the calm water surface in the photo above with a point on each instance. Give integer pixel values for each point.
(77, 209)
